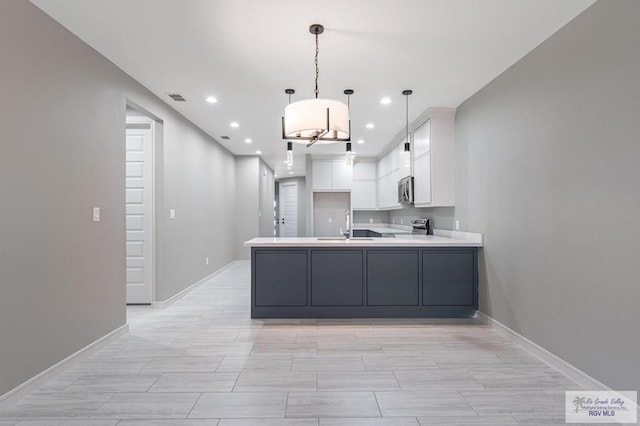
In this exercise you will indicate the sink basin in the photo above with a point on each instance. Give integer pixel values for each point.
(343, 239)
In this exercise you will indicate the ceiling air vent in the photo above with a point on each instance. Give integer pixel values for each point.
(226, 138)
(176, 97)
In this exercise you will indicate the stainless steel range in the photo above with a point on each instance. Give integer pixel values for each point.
(421, 227)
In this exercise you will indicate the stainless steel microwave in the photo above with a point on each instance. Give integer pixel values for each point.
(405, 190)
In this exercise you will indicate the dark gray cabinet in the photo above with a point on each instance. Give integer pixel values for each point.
(447, 278)
(280, 278)
(336, 278)
(364, 282)
(359, 233)
(392, 277)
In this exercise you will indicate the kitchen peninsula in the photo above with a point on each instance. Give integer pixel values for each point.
(403, 277)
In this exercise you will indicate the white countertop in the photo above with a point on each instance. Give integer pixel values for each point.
(441, 239)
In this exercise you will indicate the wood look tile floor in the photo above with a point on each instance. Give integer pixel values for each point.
(204, 361)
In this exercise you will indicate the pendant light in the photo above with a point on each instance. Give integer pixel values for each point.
(289, 154)
(289, 159)
(349, 155)
(316, 120)
(407, 144)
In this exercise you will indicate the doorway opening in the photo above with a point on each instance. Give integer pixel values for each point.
(142, 133)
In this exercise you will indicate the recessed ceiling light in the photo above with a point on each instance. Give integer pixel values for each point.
(234, 124)
(258, 152)
(360, 141)
(248, 140)
(385, 101)
(370, 125)
(211, 99)
(290, 173)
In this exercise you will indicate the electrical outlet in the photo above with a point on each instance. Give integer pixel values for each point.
(206, 261)
(370, 220)
(172, 214)
(96, 214)
(330, 220)
(457, 225)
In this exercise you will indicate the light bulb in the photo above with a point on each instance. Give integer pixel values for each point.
(349, 158)
(407, 158)
(289, 154)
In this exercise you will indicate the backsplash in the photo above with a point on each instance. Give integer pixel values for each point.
(441, 217)
(365, 216)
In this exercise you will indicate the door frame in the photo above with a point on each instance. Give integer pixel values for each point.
(138, 122)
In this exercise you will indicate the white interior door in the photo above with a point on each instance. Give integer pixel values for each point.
(139, 212)
(289, 209)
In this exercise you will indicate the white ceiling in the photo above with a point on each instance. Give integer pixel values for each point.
(247, 52)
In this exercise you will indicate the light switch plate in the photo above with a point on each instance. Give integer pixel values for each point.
(206, 261)
(172, 214)
(370, 220)
(330, 220)
(457, 225)
(96, 214)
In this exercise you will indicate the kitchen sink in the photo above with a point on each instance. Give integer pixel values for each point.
(343, 239)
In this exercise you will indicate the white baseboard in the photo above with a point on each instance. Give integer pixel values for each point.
(580, 377)
(181, 294)
(33, 383)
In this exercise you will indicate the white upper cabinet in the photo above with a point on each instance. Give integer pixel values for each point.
(422, 140)
(363, 192)
(434, 159)
(363, 170)
(422, 179)
(321, 171)
(331, 175)
(342, 175)
(388, 177)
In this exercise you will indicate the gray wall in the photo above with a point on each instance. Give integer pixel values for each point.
(267, 191)
(363, 216)
(253, 202)
(548, 157)
(62, 133)
(247, 203)
(330, 205)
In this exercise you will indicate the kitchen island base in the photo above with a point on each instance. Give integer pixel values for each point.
(337, 282)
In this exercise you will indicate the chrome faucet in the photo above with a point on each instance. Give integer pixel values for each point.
(347, 218)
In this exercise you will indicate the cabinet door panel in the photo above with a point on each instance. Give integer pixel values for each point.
(448, 278)
(342, 175)
(363, 194)
(281, 278)
(422, 180)
(422, 139)
(392, 278)
(363, 170)
(321, 174)
(336, 278)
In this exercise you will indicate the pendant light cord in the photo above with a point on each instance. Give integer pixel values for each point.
(407, 116)
(316, 63)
